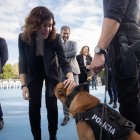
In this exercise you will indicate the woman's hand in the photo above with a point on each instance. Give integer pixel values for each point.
(87, 66)
(25, 93)
(69, 84)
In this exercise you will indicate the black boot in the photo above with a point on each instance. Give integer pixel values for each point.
(115, 105)
(110, 102)
(65, 121)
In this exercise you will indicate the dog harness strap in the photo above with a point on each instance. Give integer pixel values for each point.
(87, 115)
(71, 96)
(114, 125)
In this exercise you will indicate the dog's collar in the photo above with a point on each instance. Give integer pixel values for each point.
(78, 88)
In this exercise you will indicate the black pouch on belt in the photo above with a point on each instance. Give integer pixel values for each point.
(128, 62)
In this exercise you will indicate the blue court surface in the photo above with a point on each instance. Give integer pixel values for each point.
(16, 121)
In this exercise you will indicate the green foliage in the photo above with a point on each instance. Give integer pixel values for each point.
(101, 74)
(8, 72)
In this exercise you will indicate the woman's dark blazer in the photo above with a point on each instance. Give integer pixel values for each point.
(3, 53)
(81, 62)
(54, 56)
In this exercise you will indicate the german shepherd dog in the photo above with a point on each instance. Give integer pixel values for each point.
(81, 102)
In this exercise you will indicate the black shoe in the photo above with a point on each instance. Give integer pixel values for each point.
(110, 102)
(65, 120)
(115, 105)
(1, 123)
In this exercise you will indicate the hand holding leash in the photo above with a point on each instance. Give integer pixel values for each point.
(97, 63)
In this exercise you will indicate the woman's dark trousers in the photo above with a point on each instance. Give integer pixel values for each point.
(112, 91)
(35, 93)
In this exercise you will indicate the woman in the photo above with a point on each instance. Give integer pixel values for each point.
(39, 50)
(84, 59)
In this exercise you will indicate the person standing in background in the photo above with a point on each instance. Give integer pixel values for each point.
(3, 60)
(70, 48)
(40, 54)
(84, 59)
(94, 82)
(112, 91)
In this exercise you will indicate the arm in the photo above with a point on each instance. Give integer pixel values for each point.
(23, 67)
(114, 13)
(3, 52)
(22, 78)
(70, 76)
(25, 91)
(22, 56)
(109, 29)
(89, 62)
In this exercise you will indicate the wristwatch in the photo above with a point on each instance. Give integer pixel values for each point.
(99, 50)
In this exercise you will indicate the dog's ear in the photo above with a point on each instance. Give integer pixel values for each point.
(60, 92)
(57, 89)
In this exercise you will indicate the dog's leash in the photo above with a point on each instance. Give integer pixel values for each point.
(104, 109)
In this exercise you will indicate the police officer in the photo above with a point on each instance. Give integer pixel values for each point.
(120, 35)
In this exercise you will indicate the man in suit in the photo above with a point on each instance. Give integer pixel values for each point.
(70, 48)
(3, 59)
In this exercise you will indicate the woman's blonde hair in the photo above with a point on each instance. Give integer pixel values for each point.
(34, 20)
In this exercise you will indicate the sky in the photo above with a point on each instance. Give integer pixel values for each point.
(84, 17)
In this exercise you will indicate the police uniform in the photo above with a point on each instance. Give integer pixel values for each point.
(125, 52)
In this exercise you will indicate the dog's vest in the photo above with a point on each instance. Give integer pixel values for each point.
(114, 126)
